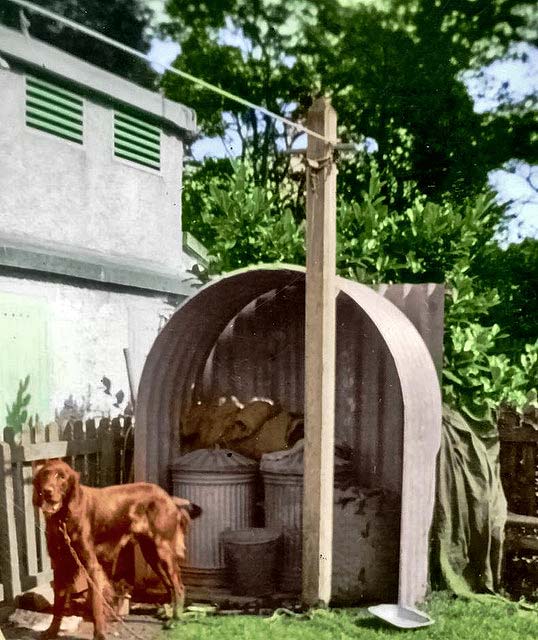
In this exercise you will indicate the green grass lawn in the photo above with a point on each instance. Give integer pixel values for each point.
(454, 620)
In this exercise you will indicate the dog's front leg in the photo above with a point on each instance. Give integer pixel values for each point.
(97, 585)
(97, 593)
(62, 594)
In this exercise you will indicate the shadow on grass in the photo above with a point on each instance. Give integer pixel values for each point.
(373, 624)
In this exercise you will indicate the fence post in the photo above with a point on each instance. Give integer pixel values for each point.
(107, 453)
(9, 558)
(28, 436)
(93, 458)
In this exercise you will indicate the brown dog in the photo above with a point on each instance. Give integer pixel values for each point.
(88, 527)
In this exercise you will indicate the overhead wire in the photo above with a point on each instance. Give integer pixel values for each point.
(183, 74)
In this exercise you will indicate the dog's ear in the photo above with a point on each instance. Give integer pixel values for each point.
(36, 494)
(36, 481)
(73, 483)
(37, 465)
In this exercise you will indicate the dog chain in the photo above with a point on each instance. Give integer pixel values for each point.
(63, 529)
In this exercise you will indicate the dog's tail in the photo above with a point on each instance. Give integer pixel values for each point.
(188, 507)
(186, 511)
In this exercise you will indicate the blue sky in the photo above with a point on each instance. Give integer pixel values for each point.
(517, 183)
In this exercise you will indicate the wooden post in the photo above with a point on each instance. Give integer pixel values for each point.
(319, 357)
(9, 558)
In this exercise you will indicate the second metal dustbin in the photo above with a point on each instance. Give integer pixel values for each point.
(283, 484)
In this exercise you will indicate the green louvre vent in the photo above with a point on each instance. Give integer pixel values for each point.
(53, 109)
(136, 140)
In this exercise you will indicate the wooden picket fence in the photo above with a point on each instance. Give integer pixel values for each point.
(518, 434)
(101, 451)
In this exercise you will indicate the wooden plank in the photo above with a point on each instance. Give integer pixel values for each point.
(46, 450)
(320, 315)
(521, 434)
(79, 458)
(30, 526)
(9, 558)
(30, 523)
(67, 435)
(128, 452)
(509, 461)
(529, 475)
(52, 431)
(42, 435)
(106, 453)
(517, 519)
(30, 582)
(117, 427)
(91, 435)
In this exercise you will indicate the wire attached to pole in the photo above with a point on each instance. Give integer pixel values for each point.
(183, 74)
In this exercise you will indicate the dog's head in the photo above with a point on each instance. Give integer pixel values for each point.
(54, 484)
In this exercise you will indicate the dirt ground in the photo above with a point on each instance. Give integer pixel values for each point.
(136, 626)
(142, 623)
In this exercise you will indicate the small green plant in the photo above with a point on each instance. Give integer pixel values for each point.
(17, 414)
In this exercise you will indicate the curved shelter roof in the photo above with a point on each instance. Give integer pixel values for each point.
(412, 400)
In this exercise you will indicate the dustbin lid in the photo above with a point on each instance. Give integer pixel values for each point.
(288, 462)
(214, 461)
(291, 461)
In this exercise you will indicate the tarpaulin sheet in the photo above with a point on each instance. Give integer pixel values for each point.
(470, 510)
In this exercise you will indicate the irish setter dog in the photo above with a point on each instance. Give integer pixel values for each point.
(88, 527)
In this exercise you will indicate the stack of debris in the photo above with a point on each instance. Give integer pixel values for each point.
(253, 429)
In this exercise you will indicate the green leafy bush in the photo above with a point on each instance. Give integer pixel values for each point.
(426, 242)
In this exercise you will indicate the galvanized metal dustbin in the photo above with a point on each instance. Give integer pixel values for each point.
(222, 483)
(283, 483)
(365, 529)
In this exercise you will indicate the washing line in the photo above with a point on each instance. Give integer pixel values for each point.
(183, 74)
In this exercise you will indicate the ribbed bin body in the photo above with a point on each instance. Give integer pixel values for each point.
(283, 484)
(222, 483)
(250, 556)
(284, 512)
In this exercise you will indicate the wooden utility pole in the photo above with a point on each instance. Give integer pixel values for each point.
(319, 356)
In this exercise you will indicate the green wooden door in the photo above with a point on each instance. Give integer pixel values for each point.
(24, 352)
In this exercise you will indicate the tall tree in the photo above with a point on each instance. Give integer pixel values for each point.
(395, 71)
(246, 47)
(124, 20)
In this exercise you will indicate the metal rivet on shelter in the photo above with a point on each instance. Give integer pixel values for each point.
(243, 334)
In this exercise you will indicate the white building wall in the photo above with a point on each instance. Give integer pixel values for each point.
(86, 331)
(61, 194)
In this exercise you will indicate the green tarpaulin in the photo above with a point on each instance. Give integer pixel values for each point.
(470, 510)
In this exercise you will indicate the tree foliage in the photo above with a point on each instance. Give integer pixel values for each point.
(426, 242)
(394, 70)
(123, 20)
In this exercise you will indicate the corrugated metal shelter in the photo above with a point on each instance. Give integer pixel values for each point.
(243, 334)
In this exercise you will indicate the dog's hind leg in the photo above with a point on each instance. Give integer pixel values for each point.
(169, 561)
(162, 559)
